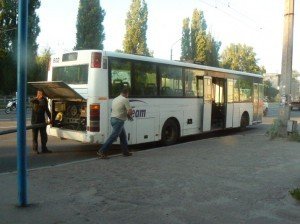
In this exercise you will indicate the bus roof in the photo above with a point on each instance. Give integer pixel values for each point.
(169, 62)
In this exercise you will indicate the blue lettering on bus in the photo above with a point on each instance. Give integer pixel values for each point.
(139, 113)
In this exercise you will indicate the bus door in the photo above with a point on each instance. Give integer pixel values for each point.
(229, 109)
(260, 102)
(218, 113)
(207, 105)
(255, 101)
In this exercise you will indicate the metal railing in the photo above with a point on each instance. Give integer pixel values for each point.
(5, 99)
(29, 127)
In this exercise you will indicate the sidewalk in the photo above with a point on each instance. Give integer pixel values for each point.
(241, 178)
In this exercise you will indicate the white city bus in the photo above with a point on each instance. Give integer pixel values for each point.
(170, 99)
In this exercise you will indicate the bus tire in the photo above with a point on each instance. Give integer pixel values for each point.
(170, 132)
(244, 121)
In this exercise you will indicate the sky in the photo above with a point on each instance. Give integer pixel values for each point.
(256, 23)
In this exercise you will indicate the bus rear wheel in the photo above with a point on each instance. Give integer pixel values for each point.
(170, 132)
(244, 121)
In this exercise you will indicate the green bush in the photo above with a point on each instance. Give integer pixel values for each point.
(279, 130)
(295, 193)
(294, 136)
(276, 129)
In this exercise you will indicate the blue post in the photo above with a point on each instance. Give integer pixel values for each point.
(21, 108)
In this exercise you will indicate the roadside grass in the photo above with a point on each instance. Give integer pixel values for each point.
(295, 193)
(278, 130)
(275, 130)
(295, 137)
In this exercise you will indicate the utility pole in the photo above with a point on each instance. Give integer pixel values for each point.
(286, 63)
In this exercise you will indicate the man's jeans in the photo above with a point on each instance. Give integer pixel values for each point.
(118, 131)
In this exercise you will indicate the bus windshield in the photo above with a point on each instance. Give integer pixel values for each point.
(76, 74)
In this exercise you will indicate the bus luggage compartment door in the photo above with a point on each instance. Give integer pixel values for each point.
(130, 128)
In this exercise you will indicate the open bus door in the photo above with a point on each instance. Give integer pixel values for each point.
(207, 105)
(229, 107)
(260, 101)
(255, 102)
(258, 95)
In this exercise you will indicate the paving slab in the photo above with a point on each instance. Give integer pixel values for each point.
(239, 178)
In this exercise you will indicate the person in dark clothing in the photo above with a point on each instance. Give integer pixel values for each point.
(39, 108)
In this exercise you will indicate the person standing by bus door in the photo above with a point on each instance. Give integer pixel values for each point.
(39, 108)
(121, 110)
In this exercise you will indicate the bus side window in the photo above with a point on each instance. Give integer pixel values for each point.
(166, 91)
(116, 87)
(171, 80)
(125, 84)
(236, 92)
(120, 72)
(151, 89)
(143, 79)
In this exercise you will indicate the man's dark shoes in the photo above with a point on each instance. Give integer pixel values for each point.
(127, 154)
(36, 151)
(46, 151)
(102, 155)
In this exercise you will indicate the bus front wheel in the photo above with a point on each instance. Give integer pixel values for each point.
(170, 132)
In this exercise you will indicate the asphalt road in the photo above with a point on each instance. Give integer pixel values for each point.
(273, 111)
(65, 151)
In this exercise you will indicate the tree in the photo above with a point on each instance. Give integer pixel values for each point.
(41, 68)
(33, 28)
(198, 32)
(212, 51)
(196, 44)
(8, 41)
(270, 91)
(8, 25)
(241, 58)
(90, 30)
(42, 62)
(186, 41)
(33, 33)
(135, 40)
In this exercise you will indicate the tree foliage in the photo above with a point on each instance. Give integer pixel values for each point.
(186, 40)
(135, 40)
(197, 45)
(90, 30)
(43, 63)
(198, 33)
(212, 51)
(240, 57)
(41, 69)
(8, 42)
(270, 91)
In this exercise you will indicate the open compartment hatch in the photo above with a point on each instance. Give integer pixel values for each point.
(57, 90)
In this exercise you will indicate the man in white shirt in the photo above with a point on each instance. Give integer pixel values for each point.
(121, 110)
